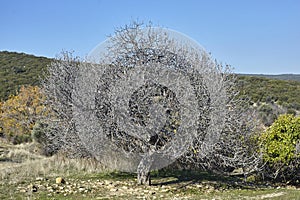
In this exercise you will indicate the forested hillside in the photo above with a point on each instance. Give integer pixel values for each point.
(263, 90)
(18, 69)
(270, 97)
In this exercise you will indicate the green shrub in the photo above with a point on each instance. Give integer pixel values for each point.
(291, 111)
(279, 144)
(18, 139)
(267, 114)
(40, 133)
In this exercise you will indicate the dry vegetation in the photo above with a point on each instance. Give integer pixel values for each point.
(23, 161)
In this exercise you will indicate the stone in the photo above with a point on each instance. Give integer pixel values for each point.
(124, 187)
(23, 191)
(152, 192)
(41, 187)
(107, 182)
(165, 190)
(59, 180)
(32, 188)
(39, 179)
(113, 190)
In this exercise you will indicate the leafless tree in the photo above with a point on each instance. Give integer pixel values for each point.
(58, 85)
(148, 97)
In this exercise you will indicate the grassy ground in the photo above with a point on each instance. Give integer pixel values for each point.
(26, 175)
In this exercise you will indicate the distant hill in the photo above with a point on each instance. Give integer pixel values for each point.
(288, 77)
(18, 69)
(271, 95)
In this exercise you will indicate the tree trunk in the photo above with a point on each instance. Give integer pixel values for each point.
(143, 170)
(144, 178)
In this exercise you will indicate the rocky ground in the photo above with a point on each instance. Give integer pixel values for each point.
(163, 188)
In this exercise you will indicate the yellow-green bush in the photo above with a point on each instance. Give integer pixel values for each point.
(280, 146)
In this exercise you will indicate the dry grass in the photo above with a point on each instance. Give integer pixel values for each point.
(19, 162)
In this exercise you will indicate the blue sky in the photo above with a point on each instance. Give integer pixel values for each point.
(254, 36)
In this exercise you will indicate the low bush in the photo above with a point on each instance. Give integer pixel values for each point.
(41, 135)
(281, 149)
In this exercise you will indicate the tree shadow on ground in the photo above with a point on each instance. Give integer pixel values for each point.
(184, 178)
